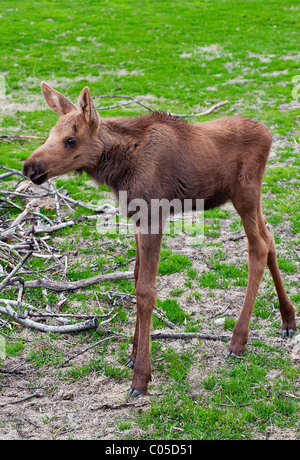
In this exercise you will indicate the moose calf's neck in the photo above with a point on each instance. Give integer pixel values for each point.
(115, 156)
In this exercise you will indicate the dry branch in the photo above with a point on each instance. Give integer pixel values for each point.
(55, 228)
(205, 112)
(190, 335)
(122, 405)
(101, 209)
(8, 279)
(26, 398)
(80, 284)
(85, 350)
(132, 299)
(8, 233)
(82, 326)
(50, 314)
(135, 101)
(20, 137)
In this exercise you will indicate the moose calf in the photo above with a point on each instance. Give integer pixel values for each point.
(158, 156)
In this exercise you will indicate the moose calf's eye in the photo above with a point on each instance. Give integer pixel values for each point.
(71, 142)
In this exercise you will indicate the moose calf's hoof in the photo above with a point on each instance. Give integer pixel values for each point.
(287, 333)
(130, 364)
(232, 356)
(134, 393)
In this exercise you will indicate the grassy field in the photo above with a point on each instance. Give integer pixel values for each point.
(179, 57)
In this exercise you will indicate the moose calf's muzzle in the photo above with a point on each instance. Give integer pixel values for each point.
(35, 170)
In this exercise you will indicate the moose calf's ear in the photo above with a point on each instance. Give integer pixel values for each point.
(57, 102)
(88, 109)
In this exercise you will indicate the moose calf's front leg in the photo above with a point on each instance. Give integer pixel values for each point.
(149, 249)
(145, 299)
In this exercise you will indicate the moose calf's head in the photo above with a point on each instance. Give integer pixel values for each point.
(72, 143)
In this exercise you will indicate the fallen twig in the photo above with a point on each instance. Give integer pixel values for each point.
(122, 405)
(80, 284)
(156, 312)
(21, 137)
(163, 317)
(189, 335)
(11, 371)
(67, 315)
(85, 350)
(9, 232)
(57, 205)
(89, 324)
(34, 395)
(35, 229)
(7, 280)
(15, 145)
(101, 209)
(23, 195)
(135, 101)
(205, 112)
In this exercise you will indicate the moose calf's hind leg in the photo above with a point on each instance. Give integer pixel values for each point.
(258, 249)
(285, 305)
(261, 248)
(286, 308)
(257, 263)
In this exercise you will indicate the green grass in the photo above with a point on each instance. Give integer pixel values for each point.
(172, 263)
(224, 275)
(179, 57)
(173, 311)
(238, 402)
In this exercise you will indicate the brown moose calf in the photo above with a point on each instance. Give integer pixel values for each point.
(155, 157)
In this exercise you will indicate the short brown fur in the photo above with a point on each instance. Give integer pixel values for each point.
(160, 156)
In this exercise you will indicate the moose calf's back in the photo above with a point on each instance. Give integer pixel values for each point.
(176, 159)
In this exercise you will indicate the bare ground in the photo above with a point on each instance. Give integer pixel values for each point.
(95, 406)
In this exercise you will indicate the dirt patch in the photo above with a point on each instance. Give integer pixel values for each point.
(10, 107)
(48, 404)
(63, 410)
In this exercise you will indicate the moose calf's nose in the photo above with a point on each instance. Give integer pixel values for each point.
(29, 171)
(32, 174)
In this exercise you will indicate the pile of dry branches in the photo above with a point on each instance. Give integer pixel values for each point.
(28, 236)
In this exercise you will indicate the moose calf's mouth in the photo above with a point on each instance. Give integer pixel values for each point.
(40, 180)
